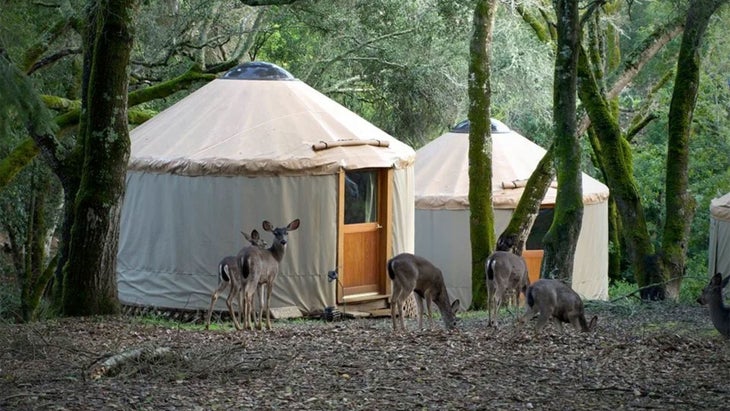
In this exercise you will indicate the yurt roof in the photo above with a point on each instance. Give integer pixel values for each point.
(442, 171)
(259, 119)
(720, 208)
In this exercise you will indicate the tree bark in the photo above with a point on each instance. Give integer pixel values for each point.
(90, 272)
(480, 148)
(514, 237)
(679, 203)
(615, 158)
(562, 237)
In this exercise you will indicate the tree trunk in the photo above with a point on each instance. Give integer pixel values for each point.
(562, 237)
(615, 158)
(480, 148)
(679, 203)
(90, 272)
(514, 237)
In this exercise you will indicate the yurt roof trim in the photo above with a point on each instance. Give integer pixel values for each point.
(720, 208)
(442, 178)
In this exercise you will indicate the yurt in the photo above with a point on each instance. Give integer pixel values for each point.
(254, 145)
(442, 209)
(719, 254)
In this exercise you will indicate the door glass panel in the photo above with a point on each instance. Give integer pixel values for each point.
(361, 192)
(539, 228)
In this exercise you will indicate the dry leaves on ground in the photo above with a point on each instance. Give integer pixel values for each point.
(655, 356)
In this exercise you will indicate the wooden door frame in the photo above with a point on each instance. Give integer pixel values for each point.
(385, 219)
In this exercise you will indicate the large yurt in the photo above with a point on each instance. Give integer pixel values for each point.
(719, 252)
(442, 209)
(254, 145)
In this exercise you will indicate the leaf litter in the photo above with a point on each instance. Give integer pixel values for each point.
(658, 355)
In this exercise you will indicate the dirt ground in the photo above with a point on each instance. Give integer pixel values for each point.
(657, 355)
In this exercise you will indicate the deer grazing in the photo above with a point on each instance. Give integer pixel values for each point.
(413, 274)
(228, 276)
(259, 268)
(505, 272)
(712, 297)
(555, 300)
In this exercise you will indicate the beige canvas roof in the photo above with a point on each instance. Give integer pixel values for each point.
(261, 127)
(720, 208)
(442, 172)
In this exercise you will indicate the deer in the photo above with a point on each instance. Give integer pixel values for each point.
(259, 268)
(553, 299)
(505, 271)
(228, 276)
(712, 297)
(410, 273)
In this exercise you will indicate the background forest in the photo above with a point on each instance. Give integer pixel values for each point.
(403, 65)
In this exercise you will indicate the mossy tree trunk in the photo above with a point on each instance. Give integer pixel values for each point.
(616, 161)
(35, 274)
(612, 152)
(89, 275)
(480, 148)
(562, 237)
(679, 203)
(514, 237)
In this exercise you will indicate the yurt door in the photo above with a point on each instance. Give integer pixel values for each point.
(364, 232)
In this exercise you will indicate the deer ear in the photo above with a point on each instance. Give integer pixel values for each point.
(593, 322)
(293, 225)
(254, 235)
(716, 279)
(456, 306)
(267, 225)
(725, 281)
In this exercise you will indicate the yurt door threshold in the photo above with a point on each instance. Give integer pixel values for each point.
(365, 229)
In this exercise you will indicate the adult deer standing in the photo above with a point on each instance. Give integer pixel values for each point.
(413, 274)
(556, 300)
(229, 275)
(259, 268)
(505, 272)
(712, 297)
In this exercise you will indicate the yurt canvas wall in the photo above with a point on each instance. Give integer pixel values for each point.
(719, 250)
(442, 208)
(247, 148)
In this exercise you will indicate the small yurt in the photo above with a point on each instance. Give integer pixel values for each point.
(719, 254)
(442, 210)
(254, 145)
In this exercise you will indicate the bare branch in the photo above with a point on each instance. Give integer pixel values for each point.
(46, 61)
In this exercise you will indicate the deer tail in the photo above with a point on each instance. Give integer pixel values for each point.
(529, 298)
(223, 274)
(490, 268)
(245, 264)
(391, 270)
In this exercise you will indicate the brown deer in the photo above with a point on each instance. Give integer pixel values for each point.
(259, 268)
(505, 272)
(712, 297)
(413, 274)
(228, 275)
(553, 299)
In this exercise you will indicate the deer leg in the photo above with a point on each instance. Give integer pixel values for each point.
(248, 313)
(269, 289)
(396, 303)
(430, 313)
(229, 302)
(419, 308)
(497, 306)
(222, 286)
